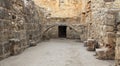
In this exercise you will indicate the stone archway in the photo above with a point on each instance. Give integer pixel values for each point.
(54, 25)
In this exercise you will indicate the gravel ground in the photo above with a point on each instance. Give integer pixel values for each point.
(56, 52)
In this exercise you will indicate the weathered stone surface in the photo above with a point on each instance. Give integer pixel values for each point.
(118, 27)
(15, 47)
(59, 9)
(15, 16)
(103, 23)
(105, 53)
(110, 38)
(108, 28)
(84, 19)
(110, 20)
(92, 45)
(101, 53)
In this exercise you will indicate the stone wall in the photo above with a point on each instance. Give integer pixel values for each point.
(19, 26)
(61, 8)
(23, 23)
(117, 39)
(74, 29)
(103, 24)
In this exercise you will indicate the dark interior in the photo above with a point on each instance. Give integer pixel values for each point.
(62, 31)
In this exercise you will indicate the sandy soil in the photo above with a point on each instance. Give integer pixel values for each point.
(56, 52)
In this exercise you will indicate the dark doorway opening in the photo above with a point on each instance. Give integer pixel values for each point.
(62, 31)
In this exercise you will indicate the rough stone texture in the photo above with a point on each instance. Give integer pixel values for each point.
(16, 16)
(118, 41)
(61, 8)
(85, 19)
(102, 21)
(91, 45)
(74, 29)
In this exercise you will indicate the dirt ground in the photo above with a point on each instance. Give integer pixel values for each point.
(56, 52)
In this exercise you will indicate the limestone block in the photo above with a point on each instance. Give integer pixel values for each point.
(117, 50)
(110, 20)
(4, 14)
(15, 46)
(6, 49)
(110, 38)
(105, 53)
(2, 3)
(22, 34)
(118, 38)
(33, 43)
(101, 53)
(110, 54)
(24, 44)
(118, 18)
(92, 44)
(118, 27)
(117, 62)
(1, 25)
(108, 28)
(5, 3)
(1, 51)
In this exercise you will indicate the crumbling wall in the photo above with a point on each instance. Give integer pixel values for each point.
(33, 25)
(19, 25)
(101, 24)
(12, 24)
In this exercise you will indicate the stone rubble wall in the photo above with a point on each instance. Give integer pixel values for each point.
(117, 57)
(24, 24)
(19, 26)
(101, 24)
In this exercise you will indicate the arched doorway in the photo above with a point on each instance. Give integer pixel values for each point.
(62, 31)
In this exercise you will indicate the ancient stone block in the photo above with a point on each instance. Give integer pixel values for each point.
(110, 54)
(110, 38)
(109, 0)
(8, 4)
(110, 20)
(108, 28)
(33, 43)
(118, 27)
(117, 62)
(2, 3)
(4, 14)
(1, 25)
(15, 46)
(117, 18)
(6, 49)
(1, 51)
(101, 53)
(92, 44)
(105, 53)
(117, 50)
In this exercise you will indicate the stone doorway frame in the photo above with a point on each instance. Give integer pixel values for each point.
(53, 25)
(62, 31)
